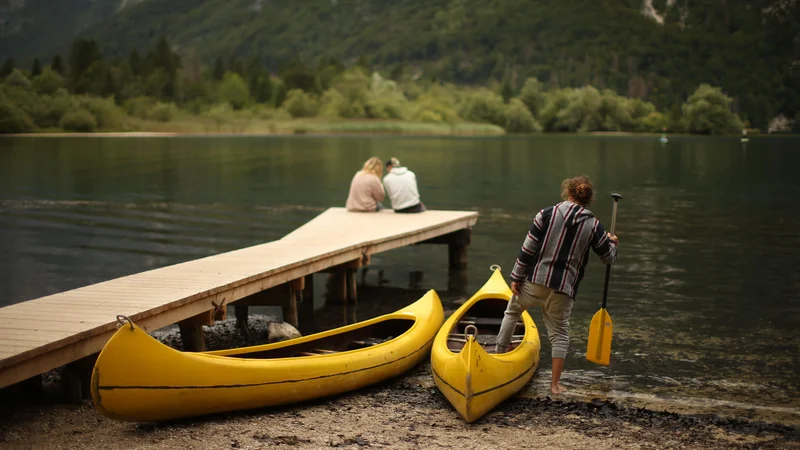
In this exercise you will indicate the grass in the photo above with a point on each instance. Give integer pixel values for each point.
(253, 125)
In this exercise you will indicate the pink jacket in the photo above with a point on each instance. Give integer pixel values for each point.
(366, 190)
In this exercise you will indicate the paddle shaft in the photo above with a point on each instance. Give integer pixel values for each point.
(616, 198)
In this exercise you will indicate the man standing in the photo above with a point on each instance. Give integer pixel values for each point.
(551, 264)
(401, 185)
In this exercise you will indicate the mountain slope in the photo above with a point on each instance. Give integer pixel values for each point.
(36, 28)
(660, 50)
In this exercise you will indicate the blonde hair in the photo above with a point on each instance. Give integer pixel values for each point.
(373, 166)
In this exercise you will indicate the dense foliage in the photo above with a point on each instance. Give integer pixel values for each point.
(746, 48)
(159, 86)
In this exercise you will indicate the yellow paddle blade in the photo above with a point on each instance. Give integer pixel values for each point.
(599, 348)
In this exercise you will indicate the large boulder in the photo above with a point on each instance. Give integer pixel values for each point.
(281, 331)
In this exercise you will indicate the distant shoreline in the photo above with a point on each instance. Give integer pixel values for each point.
(195, 126)
(351, 128)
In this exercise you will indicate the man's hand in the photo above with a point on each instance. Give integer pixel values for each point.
(515, 285)
(614, 238)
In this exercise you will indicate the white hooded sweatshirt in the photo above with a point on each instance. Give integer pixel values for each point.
(401, 185)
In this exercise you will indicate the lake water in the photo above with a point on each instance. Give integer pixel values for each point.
(705, 296)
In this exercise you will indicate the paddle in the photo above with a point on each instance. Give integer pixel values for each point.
(599, 348)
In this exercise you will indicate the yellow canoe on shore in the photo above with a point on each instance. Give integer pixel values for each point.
(136, 378)
(465, 368)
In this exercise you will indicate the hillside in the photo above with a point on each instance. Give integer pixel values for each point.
(30, 28)
(659, 50)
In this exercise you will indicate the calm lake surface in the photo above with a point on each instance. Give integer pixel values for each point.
(705, 296)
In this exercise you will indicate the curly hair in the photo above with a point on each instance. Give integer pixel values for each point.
(579, 189)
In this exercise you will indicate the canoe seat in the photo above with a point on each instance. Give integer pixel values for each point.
(486, 340)
(481, 321)
(369, 342)
(317, 352)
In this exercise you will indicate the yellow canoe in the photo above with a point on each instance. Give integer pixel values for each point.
(465, 368)
(136, 378)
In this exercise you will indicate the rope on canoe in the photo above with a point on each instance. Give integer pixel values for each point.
(494, 267)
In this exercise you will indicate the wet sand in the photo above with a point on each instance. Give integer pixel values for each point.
(405, 412)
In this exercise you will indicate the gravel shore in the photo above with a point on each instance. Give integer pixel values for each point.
(405, 412)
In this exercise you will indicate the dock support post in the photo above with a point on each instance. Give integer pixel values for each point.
(341, 284)
(242, 311)
(306, 309)
(77, 377)
(192, 333)
(290, 308)
(457, 244)
(457, 249)
(352, 287)
(457, 281)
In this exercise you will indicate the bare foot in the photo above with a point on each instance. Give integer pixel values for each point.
(558, 389)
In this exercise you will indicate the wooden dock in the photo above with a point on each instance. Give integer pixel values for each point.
(71, 327)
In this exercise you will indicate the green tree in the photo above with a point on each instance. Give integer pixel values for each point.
(235, 65)
(83, 54)
(298, 76)
(280, 93)
(58, 65)
(234, 90)
(258, 81)
(7, 68)
(534, 96)
(300, 104)
(48, 82)
(485, 106)
(159, 84)
(53, 109)
(397, 72)
(708, 111)
(506, 91)
(94, 79)
(557, 101)
(162, 56)
(262, 91)
(13, 119)
(79, 120)
(219, 69)
(18, 79)
(519, 119)
(107, 115)
(135, 63)
(36, 68)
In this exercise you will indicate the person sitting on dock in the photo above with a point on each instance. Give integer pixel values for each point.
(401, 185)
(366, 190)
(550, 267)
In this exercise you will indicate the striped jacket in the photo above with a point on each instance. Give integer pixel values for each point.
(556, 249)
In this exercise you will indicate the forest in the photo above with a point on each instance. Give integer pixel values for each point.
(89, 93)
(709, 67)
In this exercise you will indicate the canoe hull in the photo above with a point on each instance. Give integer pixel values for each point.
(136, 378)
(473, 380)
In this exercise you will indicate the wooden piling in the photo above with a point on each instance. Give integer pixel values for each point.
(242, 312)
(192, 335)
(457, 249)
(76, 379)
(306, 307)
(352, 287)
(290, 307)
